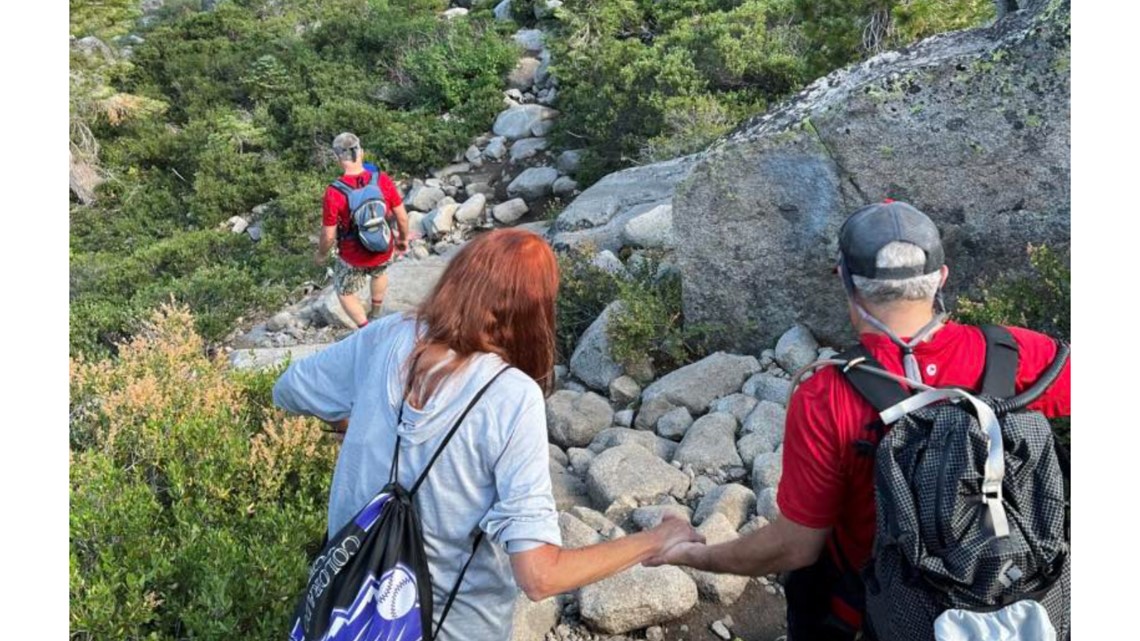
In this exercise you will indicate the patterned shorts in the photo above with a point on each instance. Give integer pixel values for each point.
(349, 280)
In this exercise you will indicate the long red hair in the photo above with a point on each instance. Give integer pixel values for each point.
(495, 296)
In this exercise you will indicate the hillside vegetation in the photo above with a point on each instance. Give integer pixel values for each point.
(229, 111)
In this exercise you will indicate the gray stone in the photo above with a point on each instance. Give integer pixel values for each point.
(723, 589)
(971, 127)
(731, 500)
(574, 419)
(674, 423)
(528, 148)
(765, 387)
(649, 516)
(615, 436)
(568, 489)
(720, 630)
(564, 186)
(516, 122)
(739, 405)
(479, 188)
(624, 390)
(410, 282)
(637, 598)
(424, 197)
(496, 149)
(766, 471)
(557, 455)
(569, 161)
(502, 11)
(238, 224)
(472, 154)
(609, 477)
(455, 12)
(619, 192)
(750, 446)
(279, 321)
(766, 422)
(514, 95)
(650, 412)
(532, 40)
(510, 211)
(522, 76)
(698, 384)
(623, 418)
(542, 128)
(533, 183)
(796, 348)
(575, 533)
(545, 8)
(592, 361)
(606, 261)
(533, 619)
(654, 633)
(441, 220)
(472, 209)
(766, 504)
(580, 459)
(652, 229)
(701, 486)
(710, 444)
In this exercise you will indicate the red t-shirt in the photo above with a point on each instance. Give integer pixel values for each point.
(825, 483)
(335, 212)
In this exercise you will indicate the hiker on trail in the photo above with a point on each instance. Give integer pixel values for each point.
(891, 265)
(362, 191)
(401, 384)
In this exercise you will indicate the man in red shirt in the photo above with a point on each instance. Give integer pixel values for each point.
(354, 262)
(893, 259)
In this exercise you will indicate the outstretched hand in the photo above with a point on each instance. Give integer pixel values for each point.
(678, 538)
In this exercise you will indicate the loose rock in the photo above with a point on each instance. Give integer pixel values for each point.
(697, 385)
(637, 598)
(509, 211)
(710, 444)
(609, 477)
(574, 419)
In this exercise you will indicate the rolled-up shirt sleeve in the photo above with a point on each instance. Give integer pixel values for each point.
(523, 515)
(324, 384)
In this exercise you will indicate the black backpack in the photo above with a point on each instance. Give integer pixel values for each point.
(371, 579)
(971, 532)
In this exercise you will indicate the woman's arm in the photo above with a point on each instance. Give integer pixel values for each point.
(549, 569)
(324, 384)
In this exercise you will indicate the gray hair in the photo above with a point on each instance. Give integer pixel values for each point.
(346, 147)
(899, 254)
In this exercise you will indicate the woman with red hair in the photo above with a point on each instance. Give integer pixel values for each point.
(411, 376)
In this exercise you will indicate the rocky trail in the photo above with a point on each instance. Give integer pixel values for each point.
(761, 212)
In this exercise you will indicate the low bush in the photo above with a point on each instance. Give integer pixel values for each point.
(194, 503)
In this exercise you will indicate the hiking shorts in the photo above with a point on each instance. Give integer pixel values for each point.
(349, 280)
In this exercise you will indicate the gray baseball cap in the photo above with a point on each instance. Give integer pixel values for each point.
(346, 146)
(871, 228)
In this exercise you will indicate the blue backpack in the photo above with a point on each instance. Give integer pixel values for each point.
(371, 580)
(368, 213)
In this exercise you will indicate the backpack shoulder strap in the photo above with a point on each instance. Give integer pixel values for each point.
(999, 378)
(880, 392)
(375, 179)
(451, 432)
(342, 187)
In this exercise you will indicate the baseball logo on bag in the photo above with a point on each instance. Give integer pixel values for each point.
(397, 593)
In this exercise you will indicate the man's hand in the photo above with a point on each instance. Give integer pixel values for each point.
(679, 554)
(673, 532)
(402, 245)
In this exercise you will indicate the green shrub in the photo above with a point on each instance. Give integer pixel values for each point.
(1039, 301)
(194, 503)
(650, 325)
(583, 292)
